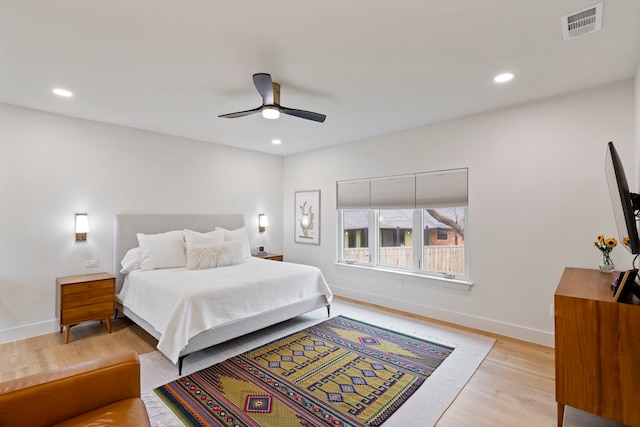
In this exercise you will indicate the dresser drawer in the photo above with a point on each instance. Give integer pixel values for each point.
(87, 293)
(90, 312)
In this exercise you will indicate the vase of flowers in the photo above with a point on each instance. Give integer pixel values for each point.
(606, 246)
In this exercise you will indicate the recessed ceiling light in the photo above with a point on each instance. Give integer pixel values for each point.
(504, 77)
(276, 141)
(62, 92)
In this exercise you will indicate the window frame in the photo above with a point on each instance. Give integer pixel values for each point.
(417, 247)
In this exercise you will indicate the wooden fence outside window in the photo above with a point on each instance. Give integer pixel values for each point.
(443, 258)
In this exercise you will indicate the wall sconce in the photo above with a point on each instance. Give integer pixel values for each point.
(82, 227)
(263, 223)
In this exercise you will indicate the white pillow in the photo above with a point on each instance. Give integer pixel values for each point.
(238, 235)
(193, 238)
(221, 254)
(164, 250)
(131, 260)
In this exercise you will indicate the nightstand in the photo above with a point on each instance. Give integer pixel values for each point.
(272, 257)
(83, 298)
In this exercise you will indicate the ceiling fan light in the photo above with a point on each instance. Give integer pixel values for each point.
(270, 113)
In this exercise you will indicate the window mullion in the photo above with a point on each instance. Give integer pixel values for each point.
(374, 234)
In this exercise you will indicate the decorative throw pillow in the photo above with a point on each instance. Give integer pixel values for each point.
(220, 254)
(131, 260)
(231, 253)
(238, 235)
(194, 238)
(164, 250)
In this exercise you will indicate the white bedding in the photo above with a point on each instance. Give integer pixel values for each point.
(181, 303)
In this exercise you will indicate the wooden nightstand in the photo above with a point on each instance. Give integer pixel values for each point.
(272, 257)
(85, 297)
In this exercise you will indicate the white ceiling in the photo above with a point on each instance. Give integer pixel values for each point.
(372, 66)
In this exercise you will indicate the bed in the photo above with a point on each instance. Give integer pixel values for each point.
(188, 309)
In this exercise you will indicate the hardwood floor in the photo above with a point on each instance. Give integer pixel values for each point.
(514, 386)
(86, 342)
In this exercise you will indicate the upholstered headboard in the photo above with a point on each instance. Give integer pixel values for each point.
(128, 225)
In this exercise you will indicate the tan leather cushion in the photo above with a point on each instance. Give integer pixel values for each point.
(51, 397)
(130, 412)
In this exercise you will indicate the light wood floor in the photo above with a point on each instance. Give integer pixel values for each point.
(514, 386)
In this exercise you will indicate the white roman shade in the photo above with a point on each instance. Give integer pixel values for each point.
(393, 193)
(353, 194)
(441, 189)
(447, 188)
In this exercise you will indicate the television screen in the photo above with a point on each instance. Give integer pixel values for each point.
(624, 202)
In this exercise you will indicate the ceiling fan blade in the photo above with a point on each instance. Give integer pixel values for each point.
(264, 85)
(241, 113)
(309, 115)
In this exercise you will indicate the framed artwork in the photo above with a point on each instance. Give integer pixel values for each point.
(307, 217)
(626, 282)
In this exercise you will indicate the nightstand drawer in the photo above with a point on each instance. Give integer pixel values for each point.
(84, 313)
(88, 293)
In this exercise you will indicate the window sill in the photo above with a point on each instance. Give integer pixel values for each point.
(420, 278)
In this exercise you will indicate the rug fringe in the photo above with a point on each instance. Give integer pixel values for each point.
(159, 414)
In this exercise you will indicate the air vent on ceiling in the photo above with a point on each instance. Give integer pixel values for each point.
(582, 22)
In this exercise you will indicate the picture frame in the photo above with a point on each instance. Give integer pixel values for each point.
(626, 282)
(307, 217)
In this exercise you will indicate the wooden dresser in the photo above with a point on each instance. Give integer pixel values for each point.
(597, 347)
(83, 298)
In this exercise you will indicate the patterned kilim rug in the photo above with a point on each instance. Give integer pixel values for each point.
(341, 372)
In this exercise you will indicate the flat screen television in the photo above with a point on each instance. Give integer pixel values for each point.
(625, 203)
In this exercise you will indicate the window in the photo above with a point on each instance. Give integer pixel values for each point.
(355, 235)
(410, 223)
(444, 253)
(395, 227)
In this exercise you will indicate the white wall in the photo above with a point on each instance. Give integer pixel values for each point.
(537, 200)
(53, 166)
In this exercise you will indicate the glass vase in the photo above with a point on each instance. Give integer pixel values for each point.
(607, 265)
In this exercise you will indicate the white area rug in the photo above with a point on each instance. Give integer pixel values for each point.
(423, 409)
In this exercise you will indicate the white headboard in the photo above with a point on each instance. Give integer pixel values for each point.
(128, 225)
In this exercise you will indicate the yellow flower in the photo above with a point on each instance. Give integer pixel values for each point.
(626, 241)
(605, 245)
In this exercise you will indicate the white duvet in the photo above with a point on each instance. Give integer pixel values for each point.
(181, 303)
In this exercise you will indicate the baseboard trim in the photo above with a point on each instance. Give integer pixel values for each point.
(489, 325)
(28, 331)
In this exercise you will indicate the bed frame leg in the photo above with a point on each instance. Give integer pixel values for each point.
(180, 360)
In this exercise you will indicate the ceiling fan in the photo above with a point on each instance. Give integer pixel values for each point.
(271, 108)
